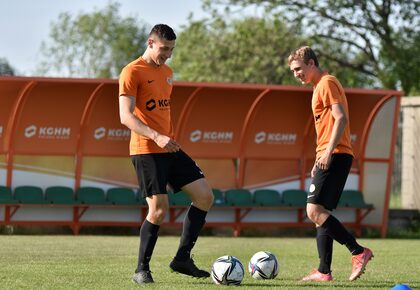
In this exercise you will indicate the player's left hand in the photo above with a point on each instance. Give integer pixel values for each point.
(324, 161)
(172, 146)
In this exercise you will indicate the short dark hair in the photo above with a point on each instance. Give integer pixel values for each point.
(304, 53)
(163, 31)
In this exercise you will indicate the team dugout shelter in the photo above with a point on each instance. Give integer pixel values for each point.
(66, 132)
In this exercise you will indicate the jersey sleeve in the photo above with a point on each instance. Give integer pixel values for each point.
(331, 94)
(128, 82)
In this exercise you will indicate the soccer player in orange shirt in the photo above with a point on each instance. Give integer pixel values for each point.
(334, 156)
(145, 87)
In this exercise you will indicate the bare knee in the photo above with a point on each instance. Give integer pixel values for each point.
(316, 213)
(200, 193)
(312, 214)
(203, 201)
(157, 215)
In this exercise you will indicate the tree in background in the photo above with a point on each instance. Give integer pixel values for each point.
(247, 50)
(97, 44)
(5, 68)
(380, 38)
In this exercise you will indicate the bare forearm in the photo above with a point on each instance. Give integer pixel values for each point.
(127, 118)
(336, 134)
(134, 124)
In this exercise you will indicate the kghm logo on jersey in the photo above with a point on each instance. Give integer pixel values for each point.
(151, 104)
(1, 131)
(163, 104)
(47, 132)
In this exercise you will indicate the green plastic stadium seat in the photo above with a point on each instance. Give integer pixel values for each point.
(295, 197)
(345, 198)
(239, 197)
(91, 195)
(122, 196)
(219, 199)
(353, 198)
(29, 194)
(60, 195)
(6, 195)
(179, 198)
(267, 197)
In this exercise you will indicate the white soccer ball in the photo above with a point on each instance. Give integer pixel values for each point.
(227, 270)
(263, 265)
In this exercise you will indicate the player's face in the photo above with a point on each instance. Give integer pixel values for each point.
(162, 50)
(301, 70)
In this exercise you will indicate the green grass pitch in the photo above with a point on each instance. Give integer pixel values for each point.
(108, 262)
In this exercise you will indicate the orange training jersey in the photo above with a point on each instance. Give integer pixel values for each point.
(152, 87)
(328, 91)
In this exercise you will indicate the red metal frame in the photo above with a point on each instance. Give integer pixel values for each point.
(185, 111)
(80, 140)
(11, 129)
(249, 116)
(384, 228)
(240, 212)
(390, 160)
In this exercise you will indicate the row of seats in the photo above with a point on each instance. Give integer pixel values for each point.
(126, 196)
(66, 195)
(291, 197)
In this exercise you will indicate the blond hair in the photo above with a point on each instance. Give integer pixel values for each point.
(304, 53)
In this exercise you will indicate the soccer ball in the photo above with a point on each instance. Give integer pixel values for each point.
(263, 265)
(227, 270)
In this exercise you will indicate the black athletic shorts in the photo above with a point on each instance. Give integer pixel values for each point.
(155, 171)
(327, 185)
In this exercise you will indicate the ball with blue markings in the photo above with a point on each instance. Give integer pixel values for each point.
(263, 265)
(227, 270)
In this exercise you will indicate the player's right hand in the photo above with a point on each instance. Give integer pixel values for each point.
(167, 143)
(313, 170)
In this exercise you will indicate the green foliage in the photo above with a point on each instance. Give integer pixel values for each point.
(402, 66)
(380, 38)
(103, 262)
(395, 200)
(411, 232)
(248, 50)
(331, 60)
(97, 44)
(5, 68)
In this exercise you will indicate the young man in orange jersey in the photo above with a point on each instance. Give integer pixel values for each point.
(334, 156)
(145, 88)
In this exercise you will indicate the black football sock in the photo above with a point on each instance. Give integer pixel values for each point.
(337, 231)
(148, 238)
(193, 222)
(325, 248)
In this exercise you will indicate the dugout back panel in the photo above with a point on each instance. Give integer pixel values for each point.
(67, 132)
